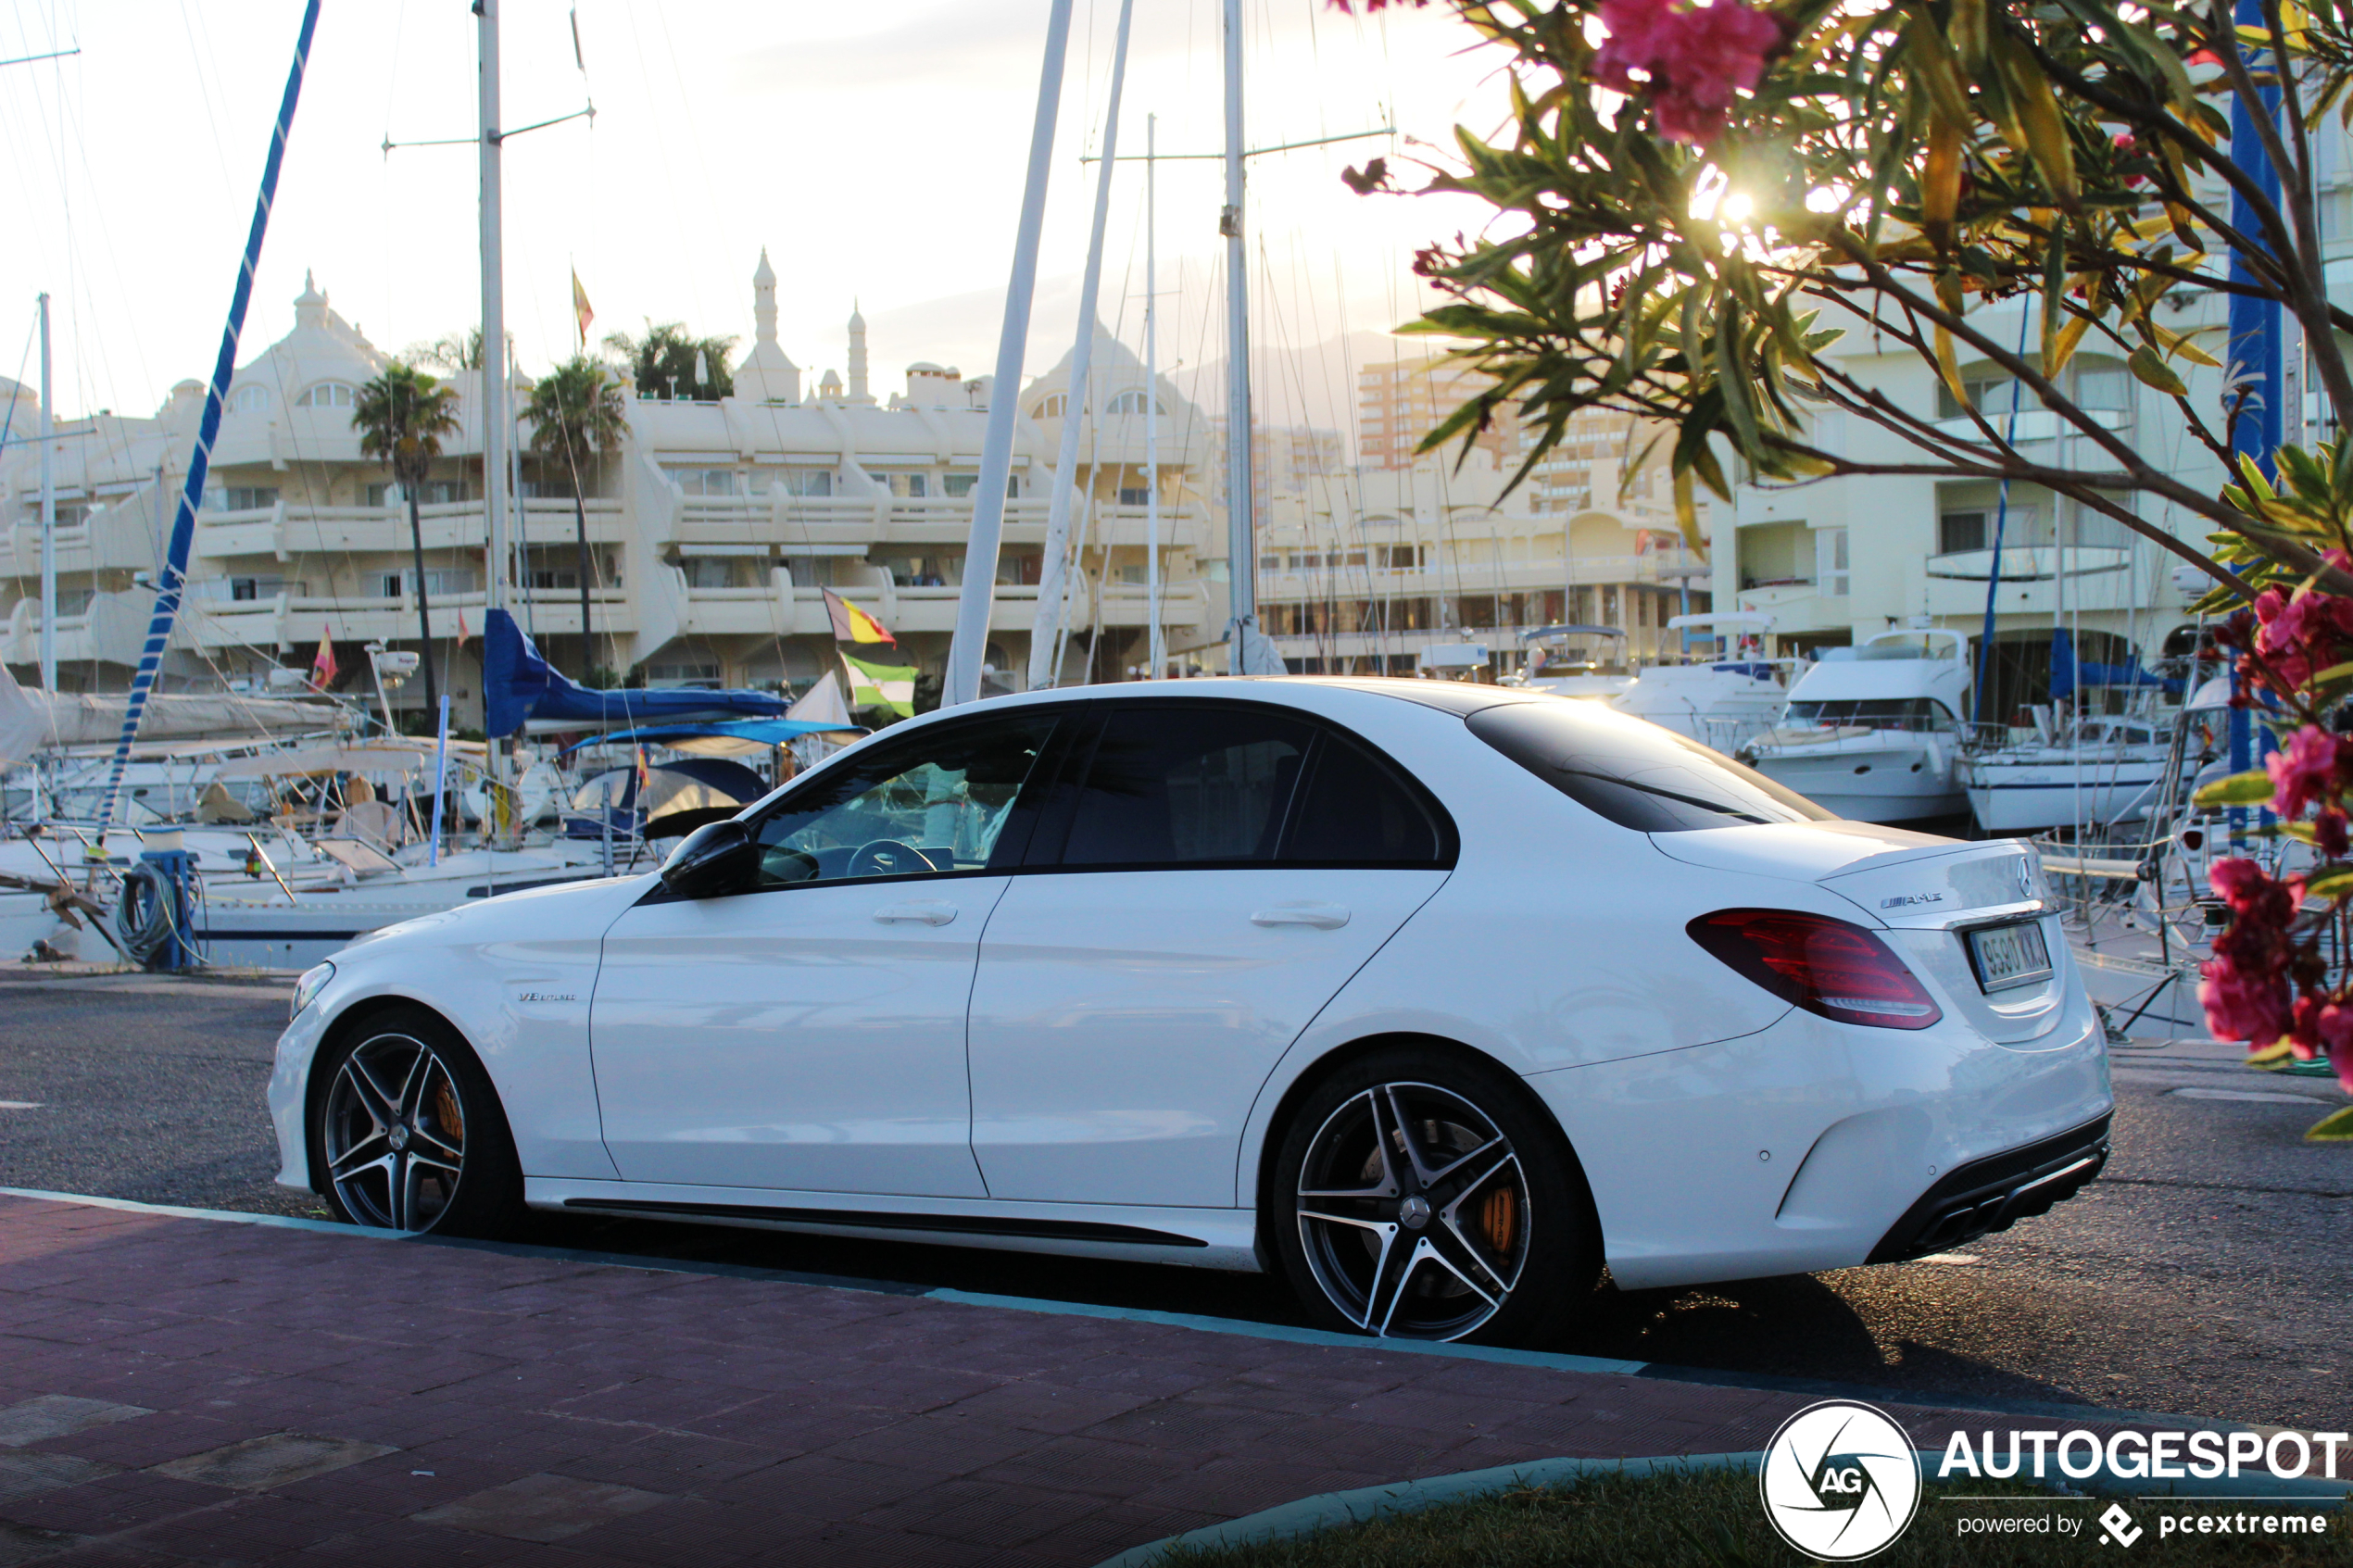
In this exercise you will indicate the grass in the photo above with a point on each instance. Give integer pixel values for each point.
(1711, 1519)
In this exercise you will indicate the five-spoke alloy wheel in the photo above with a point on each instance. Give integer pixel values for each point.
(408, 1135)
(1428, 1202)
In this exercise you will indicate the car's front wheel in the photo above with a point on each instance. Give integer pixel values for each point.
(408, 1134)
(1419, 1195)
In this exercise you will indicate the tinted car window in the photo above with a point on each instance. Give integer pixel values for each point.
(938, 801)
(1356, 812)
(1186, 787)
(1635, 774)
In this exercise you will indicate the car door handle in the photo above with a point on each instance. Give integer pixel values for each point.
(1323, 917)
(930, 911)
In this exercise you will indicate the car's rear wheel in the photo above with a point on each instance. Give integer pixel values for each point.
(1419, 1195)
(408, 1134)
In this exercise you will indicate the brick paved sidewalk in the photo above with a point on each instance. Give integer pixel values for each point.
(177, 1390)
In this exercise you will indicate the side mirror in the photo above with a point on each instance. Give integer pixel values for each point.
(716, 858)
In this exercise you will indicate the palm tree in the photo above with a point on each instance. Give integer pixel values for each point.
(577, 414)
(401, 416)
(666, 359)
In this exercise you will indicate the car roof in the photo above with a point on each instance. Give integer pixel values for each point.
(1460, 698)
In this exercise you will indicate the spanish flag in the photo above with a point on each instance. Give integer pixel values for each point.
(580, 307)
(852, 625)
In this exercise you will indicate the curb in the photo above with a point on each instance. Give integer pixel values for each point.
(1332, 1510)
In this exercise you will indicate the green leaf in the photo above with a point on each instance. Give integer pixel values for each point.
(2150, 370)
(2240, 789)
(2336, 1127)
(2333, 883)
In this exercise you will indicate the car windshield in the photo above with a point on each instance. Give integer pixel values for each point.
(1634, 773)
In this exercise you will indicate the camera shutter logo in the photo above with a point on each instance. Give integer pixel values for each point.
(1840, 1481)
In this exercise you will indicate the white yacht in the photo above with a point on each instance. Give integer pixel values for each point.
(1721, 700)
(1580, 661)
(1874, 732)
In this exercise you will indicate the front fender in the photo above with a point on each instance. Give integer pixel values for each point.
(514, 975)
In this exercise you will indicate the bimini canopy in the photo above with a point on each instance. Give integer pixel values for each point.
(518, 687)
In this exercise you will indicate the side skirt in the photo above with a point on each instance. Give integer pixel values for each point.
(1196, 1237)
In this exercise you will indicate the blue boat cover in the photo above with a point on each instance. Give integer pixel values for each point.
(771, 731)
(2067, 671)
(517, 685)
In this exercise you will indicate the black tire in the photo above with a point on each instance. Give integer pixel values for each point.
(1504, 1248)
(449, 1168)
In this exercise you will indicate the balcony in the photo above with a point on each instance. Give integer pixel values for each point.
(289, 619)
(1664, 568)
(2031, 424)
(106, 542)
(112, 628)
(284, 531)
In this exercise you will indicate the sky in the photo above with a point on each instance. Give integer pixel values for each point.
(877, 151)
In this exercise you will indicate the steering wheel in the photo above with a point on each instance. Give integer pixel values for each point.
(888, 856)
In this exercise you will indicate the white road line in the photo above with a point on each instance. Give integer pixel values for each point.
(2256, 1096)
(19, 1105)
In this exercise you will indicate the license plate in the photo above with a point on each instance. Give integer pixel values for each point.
(2009, 955)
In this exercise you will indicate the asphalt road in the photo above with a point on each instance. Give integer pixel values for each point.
(2205, 1274)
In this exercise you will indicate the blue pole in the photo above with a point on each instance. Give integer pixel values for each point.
(173, 579)
(2001, 522)
(440, 782)
(2255, 357)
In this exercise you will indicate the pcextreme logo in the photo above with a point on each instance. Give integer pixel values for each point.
(1840, 1481)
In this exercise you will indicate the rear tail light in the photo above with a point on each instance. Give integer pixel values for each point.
(1826, 966)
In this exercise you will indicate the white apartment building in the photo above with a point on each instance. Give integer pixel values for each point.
(711, 533)
(1835, 560)
(1358, 572)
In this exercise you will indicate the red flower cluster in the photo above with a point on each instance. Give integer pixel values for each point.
(2292, 637)
(2312, 766)
(2245, 989)
(1692, 58)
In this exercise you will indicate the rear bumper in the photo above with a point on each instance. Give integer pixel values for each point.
(1990, 1195)
(1811, 1145)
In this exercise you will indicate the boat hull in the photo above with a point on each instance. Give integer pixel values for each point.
(1883, 778)
(2026, 789)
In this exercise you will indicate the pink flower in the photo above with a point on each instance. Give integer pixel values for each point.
(1694, 59)
(2243, 1005)
(2335, 1029)
(2243, 885)
(2303, 770)
(2330, 835)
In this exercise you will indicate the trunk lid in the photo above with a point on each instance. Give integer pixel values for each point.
(1929, 893)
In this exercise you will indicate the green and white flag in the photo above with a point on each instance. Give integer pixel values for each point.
(882, 685)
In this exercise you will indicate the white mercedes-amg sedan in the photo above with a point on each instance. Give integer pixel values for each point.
(1436, 999)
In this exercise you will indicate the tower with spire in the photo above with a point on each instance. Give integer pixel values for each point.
(858, 391)
(767, 374)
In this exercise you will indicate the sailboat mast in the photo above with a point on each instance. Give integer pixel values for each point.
(49, 520)
(1152, 397)
(494, 344)
(1054, 576)
(969, 647)
(1242, 548)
